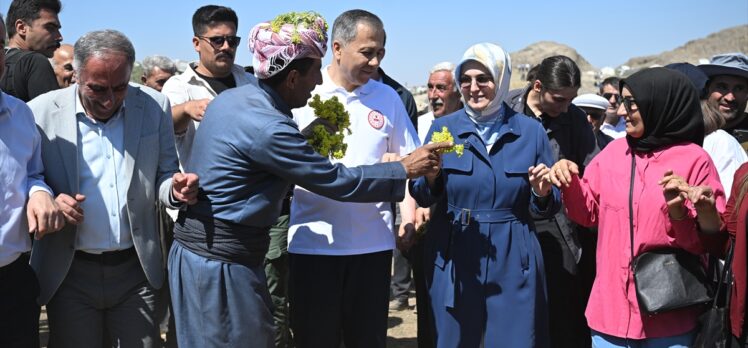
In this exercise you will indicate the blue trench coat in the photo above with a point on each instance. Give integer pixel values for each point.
(487, 275)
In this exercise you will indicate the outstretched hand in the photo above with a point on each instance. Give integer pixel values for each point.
(425, 160)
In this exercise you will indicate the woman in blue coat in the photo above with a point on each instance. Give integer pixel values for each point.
(487, 283)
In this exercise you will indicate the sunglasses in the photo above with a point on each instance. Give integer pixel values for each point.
(627, 103)
(480, 80)
(218, 41)
(609, 95)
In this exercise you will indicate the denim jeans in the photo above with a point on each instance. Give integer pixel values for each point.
(601, 340)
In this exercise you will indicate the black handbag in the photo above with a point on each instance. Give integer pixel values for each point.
(714, 331)
(668, 278)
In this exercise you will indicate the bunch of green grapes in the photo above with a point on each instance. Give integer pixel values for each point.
(308, 19)
(445, 135)
(334, 112)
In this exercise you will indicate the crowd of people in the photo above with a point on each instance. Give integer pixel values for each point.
(193, 204)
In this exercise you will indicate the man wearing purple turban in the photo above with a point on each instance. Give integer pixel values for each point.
(250, 152)
(276, 46)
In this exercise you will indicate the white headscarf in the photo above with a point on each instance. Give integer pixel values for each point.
(499, 64)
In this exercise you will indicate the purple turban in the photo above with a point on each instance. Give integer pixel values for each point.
(290, 36)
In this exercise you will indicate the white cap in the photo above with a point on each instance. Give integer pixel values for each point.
(591, 101)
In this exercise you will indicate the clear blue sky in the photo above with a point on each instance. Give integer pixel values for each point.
(422, 33)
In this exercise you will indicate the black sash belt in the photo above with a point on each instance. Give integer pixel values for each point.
(222, 240)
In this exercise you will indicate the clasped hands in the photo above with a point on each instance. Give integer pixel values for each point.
(677, 191)
(674, 187)
(184, 189)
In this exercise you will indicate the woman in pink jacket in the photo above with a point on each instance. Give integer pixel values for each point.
(642, 180)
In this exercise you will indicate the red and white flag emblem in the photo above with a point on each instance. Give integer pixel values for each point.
(376, 119)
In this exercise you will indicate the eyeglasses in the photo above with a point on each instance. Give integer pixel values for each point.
(218, 41)
(480, 80)
(627, 103)
(609, 95)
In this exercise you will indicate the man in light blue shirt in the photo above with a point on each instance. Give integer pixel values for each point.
(108, 149)
(102, 182)
(21, 181)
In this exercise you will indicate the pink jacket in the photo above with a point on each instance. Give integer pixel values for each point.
(601, 198)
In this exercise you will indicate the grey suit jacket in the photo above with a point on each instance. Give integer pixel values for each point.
(150, 162)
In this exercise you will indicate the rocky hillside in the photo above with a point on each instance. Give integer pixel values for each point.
(733, 39)
(535, 53)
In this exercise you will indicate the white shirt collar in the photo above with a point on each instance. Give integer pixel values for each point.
(328, 85)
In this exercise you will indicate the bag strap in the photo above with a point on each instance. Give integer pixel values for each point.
(631, 206)
(726, 275)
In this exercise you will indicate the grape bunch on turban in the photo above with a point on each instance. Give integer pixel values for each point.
(289, 36)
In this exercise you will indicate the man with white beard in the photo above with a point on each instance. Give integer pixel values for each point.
(444, 98)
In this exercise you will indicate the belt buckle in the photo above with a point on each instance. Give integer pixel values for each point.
(465, 217)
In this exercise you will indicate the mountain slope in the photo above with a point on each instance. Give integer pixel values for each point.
(733, 39)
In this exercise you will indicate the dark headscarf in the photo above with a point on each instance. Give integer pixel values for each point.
(669, 106)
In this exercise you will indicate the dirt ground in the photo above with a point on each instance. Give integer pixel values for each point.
(401, 332)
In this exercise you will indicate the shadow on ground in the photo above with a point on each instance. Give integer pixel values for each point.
(393, 321)
(401, 329)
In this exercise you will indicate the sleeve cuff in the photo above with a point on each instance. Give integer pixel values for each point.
(532, 189)
(388, 170)
(173, 201)
(36, 188)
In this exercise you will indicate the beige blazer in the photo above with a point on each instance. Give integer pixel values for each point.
(150, 162)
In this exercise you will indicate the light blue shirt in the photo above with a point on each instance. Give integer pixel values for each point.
(101, 145)
(21, 171)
